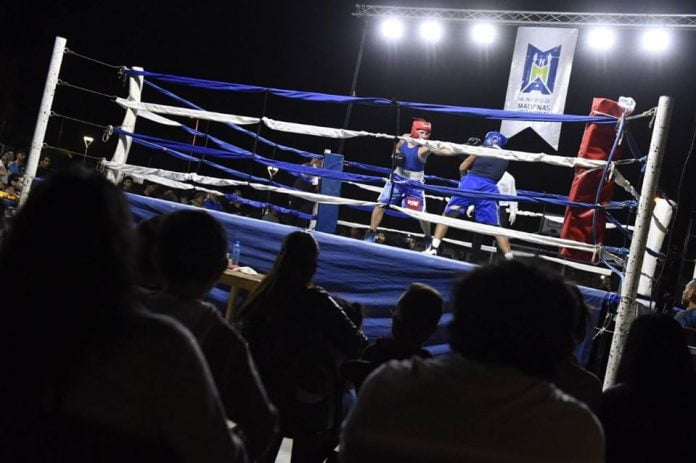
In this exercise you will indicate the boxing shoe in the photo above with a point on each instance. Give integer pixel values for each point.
(370, 236)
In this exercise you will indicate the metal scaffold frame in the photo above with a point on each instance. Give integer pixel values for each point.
(538, 18)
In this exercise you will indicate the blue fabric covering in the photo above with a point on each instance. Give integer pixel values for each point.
(370, 274)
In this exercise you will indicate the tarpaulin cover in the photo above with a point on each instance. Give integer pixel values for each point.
(596, 144)
(371, 274)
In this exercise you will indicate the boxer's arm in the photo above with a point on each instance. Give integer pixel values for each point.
(467, 163)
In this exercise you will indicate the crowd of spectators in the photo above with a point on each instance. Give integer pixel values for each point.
(115, 355)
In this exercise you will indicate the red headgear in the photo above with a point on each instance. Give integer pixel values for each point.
(420, 124)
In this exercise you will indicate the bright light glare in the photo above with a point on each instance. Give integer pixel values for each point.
(483, 33)
(656, 40)
(601, 38)
(392, 29)
(431, 31)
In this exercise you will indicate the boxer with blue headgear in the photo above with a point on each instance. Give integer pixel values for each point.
(481, 174)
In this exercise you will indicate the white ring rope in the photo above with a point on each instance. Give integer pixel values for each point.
(155, 174)
(305, 129)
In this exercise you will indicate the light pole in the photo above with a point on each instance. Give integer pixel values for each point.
(88, 141)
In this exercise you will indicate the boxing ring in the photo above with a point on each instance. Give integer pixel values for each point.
(368, 273)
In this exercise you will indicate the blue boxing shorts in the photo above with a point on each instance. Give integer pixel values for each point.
(485, 210)
(402, 195)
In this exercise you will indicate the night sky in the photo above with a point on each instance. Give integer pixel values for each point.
(313, 46)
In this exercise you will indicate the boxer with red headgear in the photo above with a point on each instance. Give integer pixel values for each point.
(409, 164)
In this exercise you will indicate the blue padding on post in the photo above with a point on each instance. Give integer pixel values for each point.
(327, 216)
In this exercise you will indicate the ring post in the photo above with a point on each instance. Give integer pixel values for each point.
(626, 311)
(37, 140)
(135, 92)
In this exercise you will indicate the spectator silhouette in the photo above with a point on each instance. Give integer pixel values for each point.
(298, 335)
(570, 377)
(92, 377)
(648, 415)
(147, 276)
(191, 254)
(490, 401)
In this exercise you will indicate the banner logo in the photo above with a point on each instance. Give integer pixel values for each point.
(540, 70)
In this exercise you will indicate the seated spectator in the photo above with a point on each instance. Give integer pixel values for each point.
(236, 207)
(649, 414)
(415, 319)
(212, 202)
(19, 164)
(198, 199)
(298, 335)
(152, 190)
(687, 318)
(14, 186)
(570, 377)
(169, 195)
(191, 254)
(44, 167)
(93, 369)
(5, 160)
(127, 184)
(491, 401)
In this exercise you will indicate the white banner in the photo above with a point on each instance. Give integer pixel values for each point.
(539, 77)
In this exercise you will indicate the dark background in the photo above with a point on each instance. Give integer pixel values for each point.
(313, 46)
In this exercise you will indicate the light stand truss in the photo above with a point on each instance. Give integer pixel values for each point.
(538, 18)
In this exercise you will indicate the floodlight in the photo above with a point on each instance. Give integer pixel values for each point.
(656, 40)
(87, 140)
(392, 28)
(483, 33)
(431, 31)
(601, 38)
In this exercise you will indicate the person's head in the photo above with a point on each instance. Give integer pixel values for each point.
(316, 162)
(7, 157)
(191, 252)
(381, 237)
(45, 162)
(297, 261)
(513, 314)
(494, 139)
(689, 294)
(656, 354)
(417, 314)
(15, 181)
(169, 195)
(151, 189)
(127, 183)
(90, 249)
(420, 128)
(198, 199)
(21, 157)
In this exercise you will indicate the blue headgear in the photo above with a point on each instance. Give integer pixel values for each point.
(494, 139)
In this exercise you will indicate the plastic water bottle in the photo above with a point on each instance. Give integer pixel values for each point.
(236, 252)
